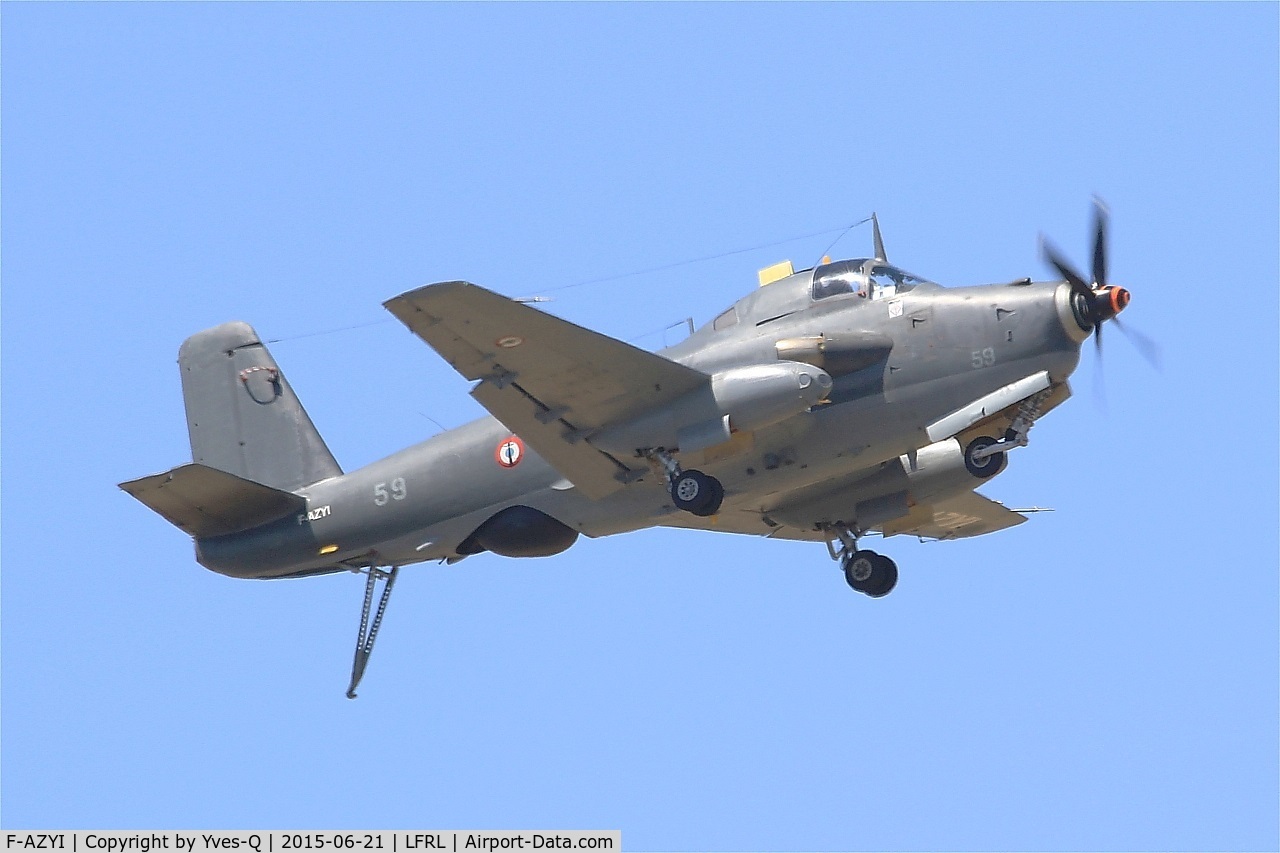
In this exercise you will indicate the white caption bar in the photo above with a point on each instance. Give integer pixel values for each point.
(276, 841)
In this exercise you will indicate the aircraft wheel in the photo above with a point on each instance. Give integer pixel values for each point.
(859, 569)
(872, 574)
(717, 497)
(985, 467)
(698, 493)
(885, 577)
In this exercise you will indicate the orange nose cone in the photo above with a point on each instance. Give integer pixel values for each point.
(1119, 299)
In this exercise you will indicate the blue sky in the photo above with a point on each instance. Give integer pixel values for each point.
(1102, 677)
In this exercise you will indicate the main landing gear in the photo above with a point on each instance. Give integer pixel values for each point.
(691, 491)
(872, 574)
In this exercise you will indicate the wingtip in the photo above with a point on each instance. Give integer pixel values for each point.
(428, 291)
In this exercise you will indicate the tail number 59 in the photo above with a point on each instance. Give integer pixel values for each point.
(398, 492)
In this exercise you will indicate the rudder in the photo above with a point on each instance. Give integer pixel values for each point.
(242, 416)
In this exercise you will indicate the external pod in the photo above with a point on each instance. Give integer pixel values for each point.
(520, 531)
(742, 398)
(836, 354)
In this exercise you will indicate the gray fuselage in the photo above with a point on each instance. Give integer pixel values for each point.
(941, 349)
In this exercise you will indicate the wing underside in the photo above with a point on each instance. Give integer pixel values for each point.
(955, 517)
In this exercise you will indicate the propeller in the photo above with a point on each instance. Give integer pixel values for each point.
(1097, 302)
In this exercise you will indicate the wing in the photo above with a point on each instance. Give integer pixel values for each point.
(551, 382)
(955, 517)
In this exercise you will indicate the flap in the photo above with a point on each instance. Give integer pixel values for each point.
(593, 472)
(741, 521)
(956, 517)
(549, 381)
(204, 501)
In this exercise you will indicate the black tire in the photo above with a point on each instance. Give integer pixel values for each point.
(988, 467)
(885, 577)
(697, 493)
(860, 570)
(872, 574)
(714, 498)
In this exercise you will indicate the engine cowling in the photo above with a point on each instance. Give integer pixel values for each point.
(741, 398)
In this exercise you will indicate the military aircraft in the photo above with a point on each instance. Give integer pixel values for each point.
(829, 403)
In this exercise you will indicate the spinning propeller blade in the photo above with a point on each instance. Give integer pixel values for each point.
(1100, 301)
(1068, 273)
(1146, 347)
(1100, 219)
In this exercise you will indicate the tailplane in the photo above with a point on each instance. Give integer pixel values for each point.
(204, 501)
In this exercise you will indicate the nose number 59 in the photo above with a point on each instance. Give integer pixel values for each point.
(981, 358)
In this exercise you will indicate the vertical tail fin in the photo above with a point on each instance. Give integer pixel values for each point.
(242, 415)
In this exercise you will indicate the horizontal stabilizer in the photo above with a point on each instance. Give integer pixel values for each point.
(204, 501)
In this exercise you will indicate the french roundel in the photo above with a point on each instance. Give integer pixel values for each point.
(509, 452)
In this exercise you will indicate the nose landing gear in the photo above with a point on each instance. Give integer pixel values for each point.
(867, 572)
(984, 456)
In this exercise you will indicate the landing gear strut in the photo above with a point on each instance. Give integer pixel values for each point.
(691, 491)
(872, 574)
(984, 456)
(369, 632)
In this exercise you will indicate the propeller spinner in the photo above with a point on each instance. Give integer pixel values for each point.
(1099, 301)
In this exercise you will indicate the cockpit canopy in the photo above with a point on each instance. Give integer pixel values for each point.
(867, 277)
